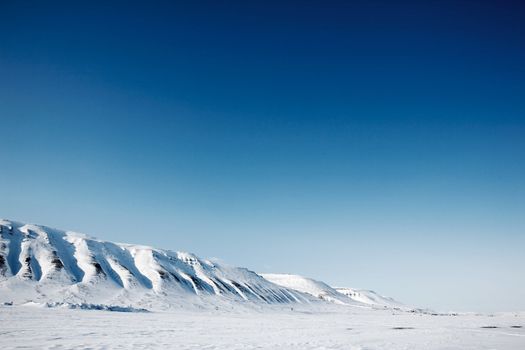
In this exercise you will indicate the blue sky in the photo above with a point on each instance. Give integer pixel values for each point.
(364, 143)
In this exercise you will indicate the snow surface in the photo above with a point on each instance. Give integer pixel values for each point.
(271, 327)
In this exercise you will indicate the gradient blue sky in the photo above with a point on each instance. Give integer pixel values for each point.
(373, 144)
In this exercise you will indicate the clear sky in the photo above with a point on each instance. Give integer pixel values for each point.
(374, 144)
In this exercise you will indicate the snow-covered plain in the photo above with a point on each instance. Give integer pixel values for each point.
(343, 327)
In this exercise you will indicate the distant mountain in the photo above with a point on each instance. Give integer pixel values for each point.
(44, 265)
(370, 297)
(309, 286)
(344, 296)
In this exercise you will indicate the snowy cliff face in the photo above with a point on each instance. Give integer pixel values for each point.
(48, 265)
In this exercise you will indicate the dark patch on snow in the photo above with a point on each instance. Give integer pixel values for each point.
(489, 327)
(86, 306)
(516, 326)
(98, 268)
(402, 328)
(2, 265)
(162, 274)
(28, 273)
(56, 262)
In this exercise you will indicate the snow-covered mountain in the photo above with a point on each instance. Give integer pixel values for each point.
(48, 265)
(309, 286)
(370, 297)
(321, 290)
(45, 265)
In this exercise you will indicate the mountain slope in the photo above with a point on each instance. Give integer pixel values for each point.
(48, 265)
(310, 286)
(321, 290)
(370, 297)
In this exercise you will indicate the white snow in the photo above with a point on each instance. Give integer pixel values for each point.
(336, 327)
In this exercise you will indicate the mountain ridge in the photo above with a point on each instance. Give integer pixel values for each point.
(48, 265)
